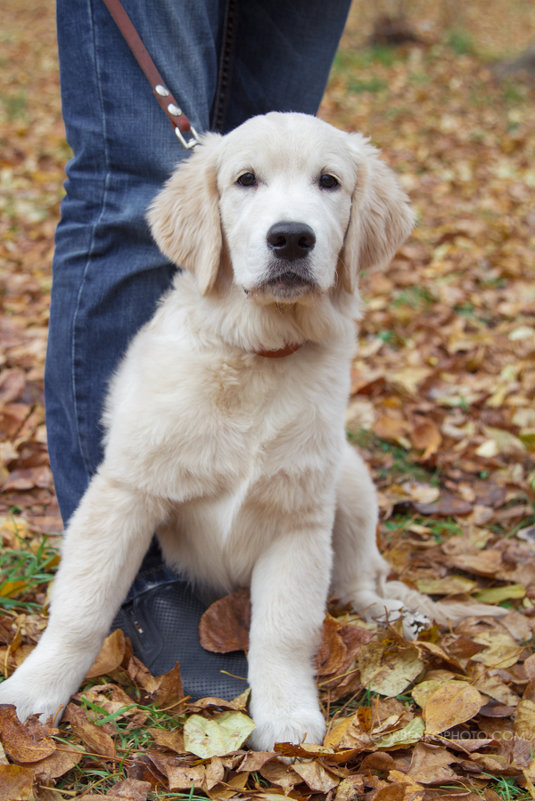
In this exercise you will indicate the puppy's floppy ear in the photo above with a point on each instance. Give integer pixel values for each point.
(381, 218)
(184, 216)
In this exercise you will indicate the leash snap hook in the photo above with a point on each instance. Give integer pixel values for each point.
(189, 144)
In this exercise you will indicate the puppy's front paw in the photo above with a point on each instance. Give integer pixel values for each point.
(299, 726)
(31, 698)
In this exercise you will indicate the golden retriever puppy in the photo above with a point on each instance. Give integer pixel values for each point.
(225, 419)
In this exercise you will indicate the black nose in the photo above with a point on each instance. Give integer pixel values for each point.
(291, 240)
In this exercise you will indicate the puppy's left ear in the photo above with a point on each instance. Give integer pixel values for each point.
(381, 218)
(184, 216)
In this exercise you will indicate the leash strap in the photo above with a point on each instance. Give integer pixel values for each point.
(184, 130)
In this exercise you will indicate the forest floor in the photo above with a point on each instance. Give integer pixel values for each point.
(442, 408)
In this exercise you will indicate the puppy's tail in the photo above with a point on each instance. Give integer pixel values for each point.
(445, 613)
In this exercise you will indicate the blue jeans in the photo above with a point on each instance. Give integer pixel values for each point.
(224, 62)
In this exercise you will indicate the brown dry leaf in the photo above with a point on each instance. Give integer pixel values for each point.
(57, 764)
(281, 775)
(130, 790)
(25, 743)
(315, 776)
(110, 657)
(184, 777)
(448, 504)
(332, 656)
(172, 740)
(483, 563)
(310, 751)
(500, 651)
(16, 782)
(169, 691)
(126, 790)
(525, 720)
(349, 788)
(166, 691)
(224, 627)
(493, 686)
(254, 760)
(451, 704)
(426, 437)
(93, 737)
(392, 429)
(388, 668)
(430, 764)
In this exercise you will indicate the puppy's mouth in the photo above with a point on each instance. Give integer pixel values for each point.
(285, 284)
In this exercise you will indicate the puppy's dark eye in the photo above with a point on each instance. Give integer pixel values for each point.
(328, 181)
(247, 179)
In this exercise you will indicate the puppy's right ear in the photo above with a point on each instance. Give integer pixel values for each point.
(184, 216)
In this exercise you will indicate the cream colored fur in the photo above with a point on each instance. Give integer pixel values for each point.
(240, 461)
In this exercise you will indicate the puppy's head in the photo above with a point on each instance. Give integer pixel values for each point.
(298, 205)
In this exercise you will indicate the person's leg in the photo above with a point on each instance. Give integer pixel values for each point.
(108, 274)
(278, 58)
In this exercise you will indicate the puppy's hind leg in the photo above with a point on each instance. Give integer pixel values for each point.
(359, 570)
(103, 548)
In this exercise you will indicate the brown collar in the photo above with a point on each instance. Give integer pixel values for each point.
(278, 354)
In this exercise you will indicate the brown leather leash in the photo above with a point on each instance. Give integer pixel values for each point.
(184, 130)
(181, 125)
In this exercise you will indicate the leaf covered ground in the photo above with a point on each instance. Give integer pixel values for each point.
(442, 407)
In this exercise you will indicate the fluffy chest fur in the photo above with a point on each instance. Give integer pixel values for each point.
(234, 441)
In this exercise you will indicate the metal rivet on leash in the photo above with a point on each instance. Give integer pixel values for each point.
(181, 124)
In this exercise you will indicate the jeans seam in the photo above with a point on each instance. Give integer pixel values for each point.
(90, 250)
(225, 66)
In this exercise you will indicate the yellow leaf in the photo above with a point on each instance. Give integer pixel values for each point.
(501, 650)
(217, 736)
(337, 729)
(10, 588)
(495, 595)
(423, 691)
(447, 585)
(411, 733)
(525, 719)
(387, 669)
(451, 704)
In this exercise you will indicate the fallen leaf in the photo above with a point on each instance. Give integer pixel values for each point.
(16, 783)
(501, 650)
(208, 737)
(483, 563)
(495, 595)
(401, 738)
(172, 740)
(224, 626)
(95, 739)
(430, 764)
(451, 704)
(21, 743)
(388, 669)
(525, 720)
(315, 776)
(447, 585)
(58, 763)
(110, 657)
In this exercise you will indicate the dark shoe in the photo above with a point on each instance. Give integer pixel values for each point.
(161, 617)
